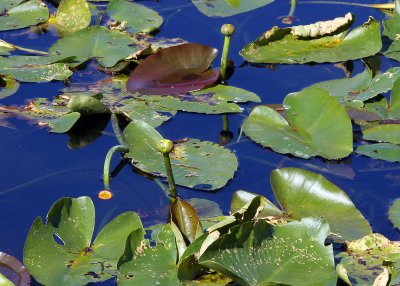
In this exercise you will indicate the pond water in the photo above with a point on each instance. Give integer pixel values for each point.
(37, 168)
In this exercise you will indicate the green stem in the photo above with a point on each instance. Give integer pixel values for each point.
(289, 18)
(224, 58)
(170, 176)
(11, 46)
(115, 127)
(225, 122)
(107, 161)
(377, 6)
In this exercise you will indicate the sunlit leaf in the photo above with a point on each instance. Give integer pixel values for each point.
(61, 249)
(288, 45)
(87, 105)
(302, 193)
(8, 86)
(383, 151)
(174, 70)
(389, 133)
(195, 164)
(309, 128)
(138, 18)
(72, 15)
(20, 14)
(394, 213)
(257, 253)
(225, 8)
(392, 31)
(241, 198)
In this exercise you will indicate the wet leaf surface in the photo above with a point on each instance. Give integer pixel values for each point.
(72, 15)
(383, 151)
(392, 32)
(225, 8)
(241, 198)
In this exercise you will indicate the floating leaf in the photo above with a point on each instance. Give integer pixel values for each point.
(302, 193)
(8, 86)
(287, 45)
(257, 253)
(383, 151)
(20, 14)
(226, 8)
(309, 128)
(87, 105)
(64, 123)
(138, 18)
(205, 208)
(394, 213)
(72, 15)
(174, 70)
(392, 31)
(383, 133)
(61, 249)
(108, 47)
(33, 68)
(241, 198)
(367, 258)
(18, 274)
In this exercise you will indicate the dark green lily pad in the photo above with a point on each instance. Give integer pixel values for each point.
(257, 253)
(389, 133)
(367, 258)
(302, 193)
(195, 164)
(108, 47)
(226, 8)
(33, 68)
(145, 265)
(20, 15)
(8, 86)
(288, 45)
(61, 249)
(72, 15)
(138, 18)
(309, 128)
(394, 213)
(383, 151)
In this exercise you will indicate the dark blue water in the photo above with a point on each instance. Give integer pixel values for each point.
(37, 168)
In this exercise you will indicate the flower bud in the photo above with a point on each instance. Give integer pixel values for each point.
(228, 30)
(165, 146)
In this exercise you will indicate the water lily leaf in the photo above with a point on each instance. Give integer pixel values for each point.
(288, 45)
(383, 151)
(108, 47)
(16, 273)
(383, 133)
(150, 265)
(138, 18)
(8, 86)
(205, 208)
(309, 128)
(241, 198)
(86, 105)
(257, 253)
(20, 15)
(33, 68)
(394, 213)
(185, 217)
(362, 86)
(174, 70)
(302, 193)
(226, 8)
(72, 15)
(195, 164)
(61, 249)
(367, 258)
(64, 123)
(392, 31)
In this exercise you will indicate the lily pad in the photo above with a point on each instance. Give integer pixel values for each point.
(174, 70)
(226, 8)
(8, 86)
(309, 128)
(20, 14)
(195, 164)
(257, 253)
(394, 213)
(302, 193)
(389, 133)
(383, 151)
(33, 68)
(392, 32)
(72, 15)
(108, 47)
(241, 198)
(290, 46)
(138, 18)
(61, 249)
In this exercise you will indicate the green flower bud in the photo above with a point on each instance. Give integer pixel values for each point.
(228, 30)
(165, 146)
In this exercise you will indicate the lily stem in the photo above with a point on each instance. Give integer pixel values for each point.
(115, 127)
(107, 161)
(227, 30)
(170, 176)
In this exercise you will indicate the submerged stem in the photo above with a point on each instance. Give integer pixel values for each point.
(107, 161)
(115, 127)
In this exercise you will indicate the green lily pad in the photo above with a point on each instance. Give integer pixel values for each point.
(302, 193)
(392, 31)
(33, 68)
(64, 123)
(319, 44)
(241, 198)
(8, 86)
(389, 133)
(367, 257)
(138, 18)
(108, 47)
(226, 8)
(72, 15)
(362, 86)
(61, 249)
(20, 15)
(195, 164)
(309, 128)
(257, 253)
(87, 105)
(394, 213)
(147, 265)
(383, 151)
